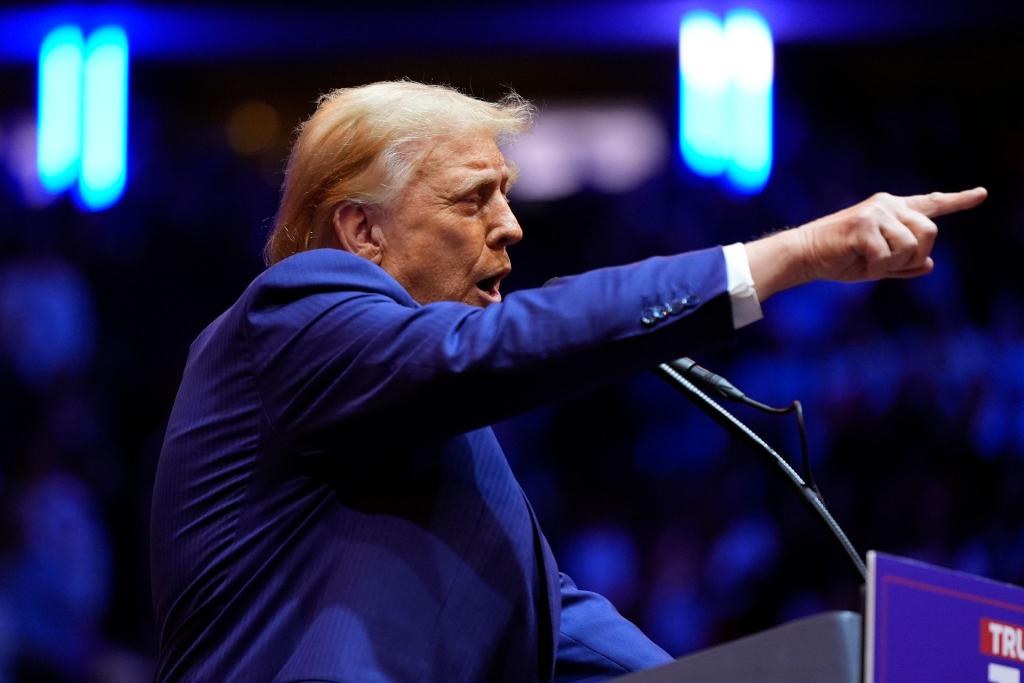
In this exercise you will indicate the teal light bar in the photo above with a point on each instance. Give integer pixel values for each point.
(104, 119)
(726, 75)
(58, 148)
(748, 42)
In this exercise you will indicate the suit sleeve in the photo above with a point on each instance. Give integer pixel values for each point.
(338, 347)
(595, 642)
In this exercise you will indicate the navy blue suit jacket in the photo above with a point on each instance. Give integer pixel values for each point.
(330, 504)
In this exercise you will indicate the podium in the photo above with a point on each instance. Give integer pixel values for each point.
(825, 648)
(921, 623)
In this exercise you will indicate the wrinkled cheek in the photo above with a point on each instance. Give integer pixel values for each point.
(446, 289)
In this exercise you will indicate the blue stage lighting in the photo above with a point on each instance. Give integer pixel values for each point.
(104, 118)
(59, 129)
(726, 74)
(748, 42)
(703, 85)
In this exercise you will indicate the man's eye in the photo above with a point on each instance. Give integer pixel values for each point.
(479, 196)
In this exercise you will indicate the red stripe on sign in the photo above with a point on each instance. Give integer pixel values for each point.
(999, 639)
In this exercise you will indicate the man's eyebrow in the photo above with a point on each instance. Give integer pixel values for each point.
(481, 178)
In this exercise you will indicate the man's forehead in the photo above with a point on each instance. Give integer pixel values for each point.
(472, 153)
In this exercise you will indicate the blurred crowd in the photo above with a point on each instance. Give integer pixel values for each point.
(913, 391)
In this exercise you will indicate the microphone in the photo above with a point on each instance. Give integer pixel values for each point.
(675, 373)
(687, 367)
(687, 376)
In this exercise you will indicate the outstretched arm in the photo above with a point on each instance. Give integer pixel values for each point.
(336, 343)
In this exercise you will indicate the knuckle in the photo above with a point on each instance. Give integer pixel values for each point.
(865, 219)
(876, 255)
(874, 249)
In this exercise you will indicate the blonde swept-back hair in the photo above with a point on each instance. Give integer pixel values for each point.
(360, 145)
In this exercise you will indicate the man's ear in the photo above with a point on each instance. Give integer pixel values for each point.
(357, 233)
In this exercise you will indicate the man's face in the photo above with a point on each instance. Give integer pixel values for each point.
(446, 236)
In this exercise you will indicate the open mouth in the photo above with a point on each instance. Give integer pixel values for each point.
(489, 286)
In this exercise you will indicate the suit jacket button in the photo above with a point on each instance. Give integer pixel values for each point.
(678, 305)
(688, 301)
(651, 315)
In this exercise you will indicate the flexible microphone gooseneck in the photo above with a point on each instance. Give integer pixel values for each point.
(713, 383)
(684, 374)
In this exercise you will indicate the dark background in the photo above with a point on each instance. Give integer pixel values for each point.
(913, 391)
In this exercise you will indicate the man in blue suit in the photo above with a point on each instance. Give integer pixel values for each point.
(330, 502)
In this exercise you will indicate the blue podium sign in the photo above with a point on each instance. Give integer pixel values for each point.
(925, 623)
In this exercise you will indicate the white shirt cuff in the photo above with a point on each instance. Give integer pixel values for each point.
(746, 308)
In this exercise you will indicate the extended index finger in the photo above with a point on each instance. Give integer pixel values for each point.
(941, 203)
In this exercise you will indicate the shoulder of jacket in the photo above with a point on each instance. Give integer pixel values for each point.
(326, 270)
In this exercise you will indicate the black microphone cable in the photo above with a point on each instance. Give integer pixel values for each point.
(724, 388)
(679, 373)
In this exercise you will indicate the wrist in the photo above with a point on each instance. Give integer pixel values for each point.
(778, 261)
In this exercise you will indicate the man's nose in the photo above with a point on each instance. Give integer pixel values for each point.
(506, 232)
(505, 235)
